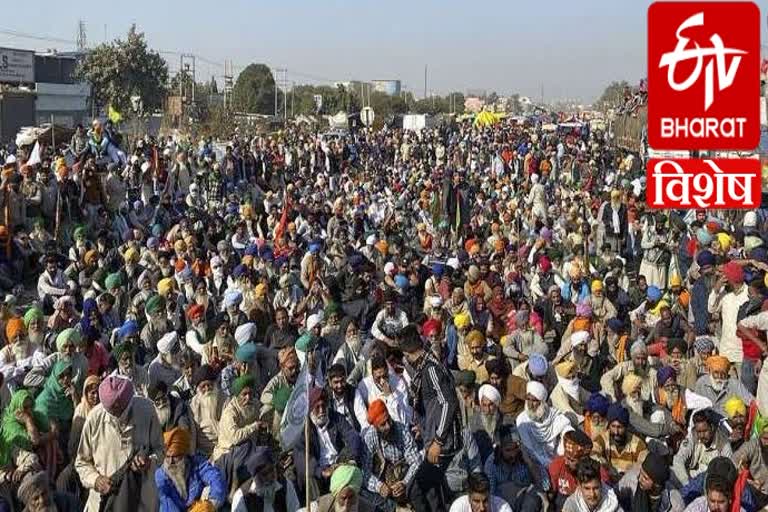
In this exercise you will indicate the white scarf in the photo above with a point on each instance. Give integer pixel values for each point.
(570, 386)
(615, 217)
(609, 503)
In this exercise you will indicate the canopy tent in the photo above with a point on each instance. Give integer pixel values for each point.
(486, 118)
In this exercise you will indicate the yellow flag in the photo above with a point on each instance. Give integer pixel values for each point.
(114, 115)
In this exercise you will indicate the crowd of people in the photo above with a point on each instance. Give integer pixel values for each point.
(467, 318)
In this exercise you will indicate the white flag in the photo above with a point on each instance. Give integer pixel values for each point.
(296, 411)
(34, 156)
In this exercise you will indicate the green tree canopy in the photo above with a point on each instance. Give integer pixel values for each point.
(612, 96)
(124, 68)
(254, 90)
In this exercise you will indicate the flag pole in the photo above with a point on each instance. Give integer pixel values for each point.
(306, 462)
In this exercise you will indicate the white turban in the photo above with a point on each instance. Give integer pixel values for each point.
(453, 263)
(313, 320)
(166, 344)
(537, 389)
(579, 338)
(435, 301)
(389, 267)
(244, 333)
(371, 240)
(489, 392)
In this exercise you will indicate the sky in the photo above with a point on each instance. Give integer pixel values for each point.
(568, 49)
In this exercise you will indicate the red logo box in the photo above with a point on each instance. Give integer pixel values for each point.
(722, 183)
(704, 75)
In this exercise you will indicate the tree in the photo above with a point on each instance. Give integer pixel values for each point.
(612, 96)
(121, 69)
(254, 90)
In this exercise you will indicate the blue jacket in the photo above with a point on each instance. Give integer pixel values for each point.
(699, 297)
(202, 474)
(566, 291)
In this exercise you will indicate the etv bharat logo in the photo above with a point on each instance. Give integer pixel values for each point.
(715, 56)
(703, 75)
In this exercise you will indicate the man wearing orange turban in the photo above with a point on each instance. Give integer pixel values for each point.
(193, 473)
(377, 413)
(177, 442)
(720, 384)
(14, 329)
(401, 457)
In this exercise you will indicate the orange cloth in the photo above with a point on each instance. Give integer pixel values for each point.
(621, 348)
(678, 410)
(177, 442)
(718, 364)
(581, 324)
(14, 327)
(202, 506)
(377, 412)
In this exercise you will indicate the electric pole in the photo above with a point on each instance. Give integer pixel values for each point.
(228, 84)
(275, 76)
(81, 39)
(285, 94)
(425, 81)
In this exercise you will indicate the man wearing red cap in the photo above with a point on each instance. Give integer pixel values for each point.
(725, 299)
(332, 441)
(390, 462)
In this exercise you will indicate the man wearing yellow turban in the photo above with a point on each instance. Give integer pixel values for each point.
(736, 416)
(193, 473)
(474, 360)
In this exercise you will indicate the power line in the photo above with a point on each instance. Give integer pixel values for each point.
(24, 35)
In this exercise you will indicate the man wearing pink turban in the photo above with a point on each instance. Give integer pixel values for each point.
(122, 431)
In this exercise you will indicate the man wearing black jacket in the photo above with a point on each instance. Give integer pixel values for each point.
(342, 394)
(436, 406)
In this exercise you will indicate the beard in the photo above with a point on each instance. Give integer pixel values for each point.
(250, 410)
(36, 337)
(209, 402)
(354, 343)
(177, 472)
(163, 414)
(635, 405)
(717, 384)
(319, 420)
(672, 398)
(538, 413)
(641, 371)
(48, 507)
(159, 324)
(127, 370)
(266, 491)
(489, 422)
(338, 507)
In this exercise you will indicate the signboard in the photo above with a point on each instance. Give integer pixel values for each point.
(366, 116)
(17, 66)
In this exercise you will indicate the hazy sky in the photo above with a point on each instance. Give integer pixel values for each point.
(572, 48)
